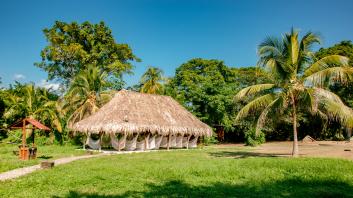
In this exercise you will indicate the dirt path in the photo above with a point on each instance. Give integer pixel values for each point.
(331, 149)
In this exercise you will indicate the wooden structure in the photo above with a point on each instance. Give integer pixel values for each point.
(25, 153)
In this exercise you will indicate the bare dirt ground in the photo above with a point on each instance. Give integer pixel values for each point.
(332, 149)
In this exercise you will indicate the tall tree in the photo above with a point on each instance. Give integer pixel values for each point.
(204, 87)
(86, 94)
(73, 46)
(151, 81)
(300, 82)
(29, 101)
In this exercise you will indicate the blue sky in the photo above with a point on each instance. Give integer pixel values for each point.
(167, 33)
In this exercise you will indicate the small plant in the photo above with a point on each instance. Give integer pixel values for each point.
(253, 139)
(210, 140)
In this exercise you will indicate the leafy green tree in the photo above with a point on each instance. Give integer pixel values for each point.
(152, 81)
(29, 101)
(86, 94)
(300, 83)
(204, 87)
(72, 47)
(344, 48)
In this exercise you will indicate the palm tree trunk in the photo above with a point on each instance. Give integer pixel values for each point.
(295, 152)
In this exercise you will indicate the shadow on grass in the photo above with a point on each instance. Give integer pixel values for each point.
(245, 154)
(286, 188)
(45, 157)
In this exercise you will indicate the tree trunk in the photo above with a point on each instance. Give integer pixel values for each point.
(295, 152)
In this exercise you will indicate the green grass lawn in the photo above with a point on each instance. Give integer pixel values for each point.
(9, 161)
(210, 172)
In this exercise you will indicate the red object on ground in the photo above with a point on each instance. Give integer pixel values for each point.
(24, 150)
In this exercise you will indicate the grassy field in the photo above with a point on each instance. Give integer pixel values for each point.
(209, 172)
(9, 161)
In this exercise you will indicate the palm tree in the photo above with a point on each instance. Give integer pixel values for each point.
(300, 83)
(33, 102)
(151, 81)
(86, 94)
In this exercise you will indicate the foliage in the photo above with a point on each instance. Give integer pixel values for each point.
(210, 140)
(151, 81)
(210, 172)
(344, 48)
(300, 83)
(26, 100)
(205, 87)
(86, 94)
(253, 139)
(73, 46)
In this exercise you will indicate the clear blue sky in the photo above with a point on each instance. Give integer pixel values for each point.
(170, 32)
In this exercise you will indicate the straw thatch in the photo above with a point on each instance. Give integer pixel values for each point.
(132, 112)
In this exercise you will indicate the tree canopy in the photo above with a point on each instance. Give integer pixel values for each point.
(73, 46)
(152, 81)
(26, 100)
(344, 48)
(85, 94)
(206, 87)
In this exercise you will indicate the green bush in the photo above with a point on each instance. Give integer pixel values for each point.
(210, 140)
(253, 139)
(13, 137)
(77, 139)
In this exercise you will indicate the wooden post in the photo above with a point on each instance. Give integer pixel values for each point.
(168, 142)
(118, 143)
(24, 152)
(100, 142)
(84, 143)
(187, 144)
(146, 141)
(24, 133)
(33, 138)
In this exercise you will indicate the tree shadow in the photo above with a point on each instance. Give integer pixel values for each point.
(284, 188)
(245, 154)
(45, 157)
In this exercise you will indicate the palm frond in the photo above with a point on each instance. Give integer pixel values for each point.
(251, 90)
(323, 94)
(273, 106)
(308, 40)
(256, 104)
(339, 112)
(329, 76)
(326, 62)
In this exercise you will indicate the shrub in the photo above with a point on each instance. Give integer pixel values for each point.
(210, 140)
(253, 139)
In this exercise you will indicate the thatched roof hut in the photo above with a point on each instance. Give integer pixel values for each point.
(132, 112)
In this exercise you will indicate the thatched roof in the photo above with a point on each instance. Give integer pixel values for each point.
(133, 112)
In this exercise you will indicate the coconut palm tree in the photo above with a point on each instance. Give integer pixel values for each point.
(151, 81)
(300, 83)
(33, 102)
(86, 94)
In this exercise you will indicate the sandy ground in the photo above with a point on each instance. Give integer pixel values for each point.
(330, 149)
